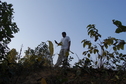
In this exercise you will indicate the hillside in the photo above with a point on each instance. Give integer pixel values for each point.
(51, 75)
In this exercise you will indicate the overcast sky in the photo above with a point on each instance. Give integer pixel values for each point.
(42, 20)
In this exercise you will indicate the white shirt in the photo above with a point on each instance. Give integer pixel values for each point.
(65, 42)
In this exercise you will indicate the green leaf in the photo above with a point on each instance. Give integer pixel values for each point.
(96, 38)
(88, 55)
(51, 49)
(118, 30)
(117, 77)
(88, 26)
(9, 39)
(114, 48)
(106, 46)
(85, 52)
(95, 51)
(107, 58)
(89, 45)
(87, 60)
(122, 47)
(83, 41)
(111, 55)
(99, 35)
(122, 58)
(84, 44)
(11, 36)
(104, 53)
(39, 59)
(90, 32)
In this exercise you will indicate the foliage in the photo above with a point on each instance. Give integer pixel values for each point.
(12, 56)
(35, 65)
(41, 55)
(120, 27)
(105, 58)
(51, 49)
(7, 27)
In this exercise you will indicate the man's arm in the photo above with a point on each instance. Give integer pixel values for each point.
(69, 43)
(59, 44)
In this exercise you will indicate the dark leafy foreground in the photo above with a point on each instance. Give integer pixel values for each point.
(51, 75)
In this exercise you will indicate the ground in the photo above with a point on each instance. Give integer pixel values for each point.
(52, 75)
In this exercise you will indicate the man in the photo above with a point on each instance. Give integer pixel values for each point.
(65, 48)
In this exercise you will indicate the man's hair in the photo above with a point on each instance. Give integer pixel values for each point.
(64, 33)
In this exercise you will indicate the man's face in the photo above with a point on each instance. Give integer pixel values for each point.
(64, 35)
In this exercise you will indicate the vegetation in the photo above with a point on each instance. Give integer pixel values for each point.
(36, 67)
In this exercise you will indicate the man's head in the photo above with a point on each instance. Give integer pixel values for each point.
(64, 34)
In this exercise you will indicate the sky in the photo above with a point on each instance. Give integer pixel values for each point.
(43, 20)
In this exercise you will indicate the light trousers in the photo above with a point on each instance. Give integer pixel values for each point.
(63, 58)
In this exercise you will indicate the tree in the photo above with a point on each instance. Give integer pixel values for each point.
(105, 58)
(7, 28)
(120, 28)
(41, 55)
